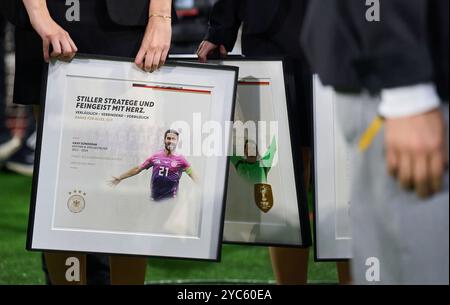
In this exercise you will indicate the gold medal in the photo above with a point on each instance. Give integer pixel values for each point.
(263, 196)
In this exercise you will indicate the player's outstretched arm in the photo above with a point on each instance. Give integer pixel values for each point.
(268, 157)
(191, 174)
(132, 172)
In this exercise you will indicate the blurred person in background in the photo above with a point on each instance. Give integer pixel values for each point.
(388, 62)
(9, 144)
(17, 126)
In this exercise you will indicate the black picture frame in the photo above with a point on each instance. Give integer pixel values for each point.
(40, 135)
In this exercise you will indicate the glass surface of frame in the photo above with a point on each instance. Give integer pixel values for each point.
(116, 175)
(266, 200)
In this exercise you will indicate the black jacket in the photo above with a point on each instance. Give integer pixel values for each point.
(409, 45)
(228, 15)
(121, 12)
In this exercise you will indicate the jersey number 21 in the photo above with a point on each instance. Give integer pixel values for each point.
(163, 171)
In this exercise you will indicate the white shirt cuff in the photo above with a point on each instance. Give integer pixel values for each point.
(408, 101)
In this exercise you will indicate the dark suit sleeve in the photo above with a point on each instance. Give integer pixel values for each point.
(224, 23)
(395, 51)
(349, 52)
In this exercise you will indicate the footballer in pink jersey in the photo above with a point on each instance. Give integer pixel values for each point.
(167, 169)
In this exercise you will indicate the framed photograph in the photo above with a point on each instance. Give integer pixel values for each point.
(266, 200)
(130, 162)
(332, 175)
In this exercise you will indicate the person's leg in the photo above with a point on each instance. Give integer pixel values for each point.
(406, 237)
(344, 274)
(290, 265)
(31, 122)
(22, 161)
(127, 270)
(97, 269)
(354, 114)
(59, 266)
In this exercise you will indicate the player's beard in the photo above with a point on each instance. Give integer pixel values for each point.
(171, 147)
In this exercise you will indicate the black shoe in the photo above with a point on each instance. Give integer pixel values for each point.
(22, 162)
